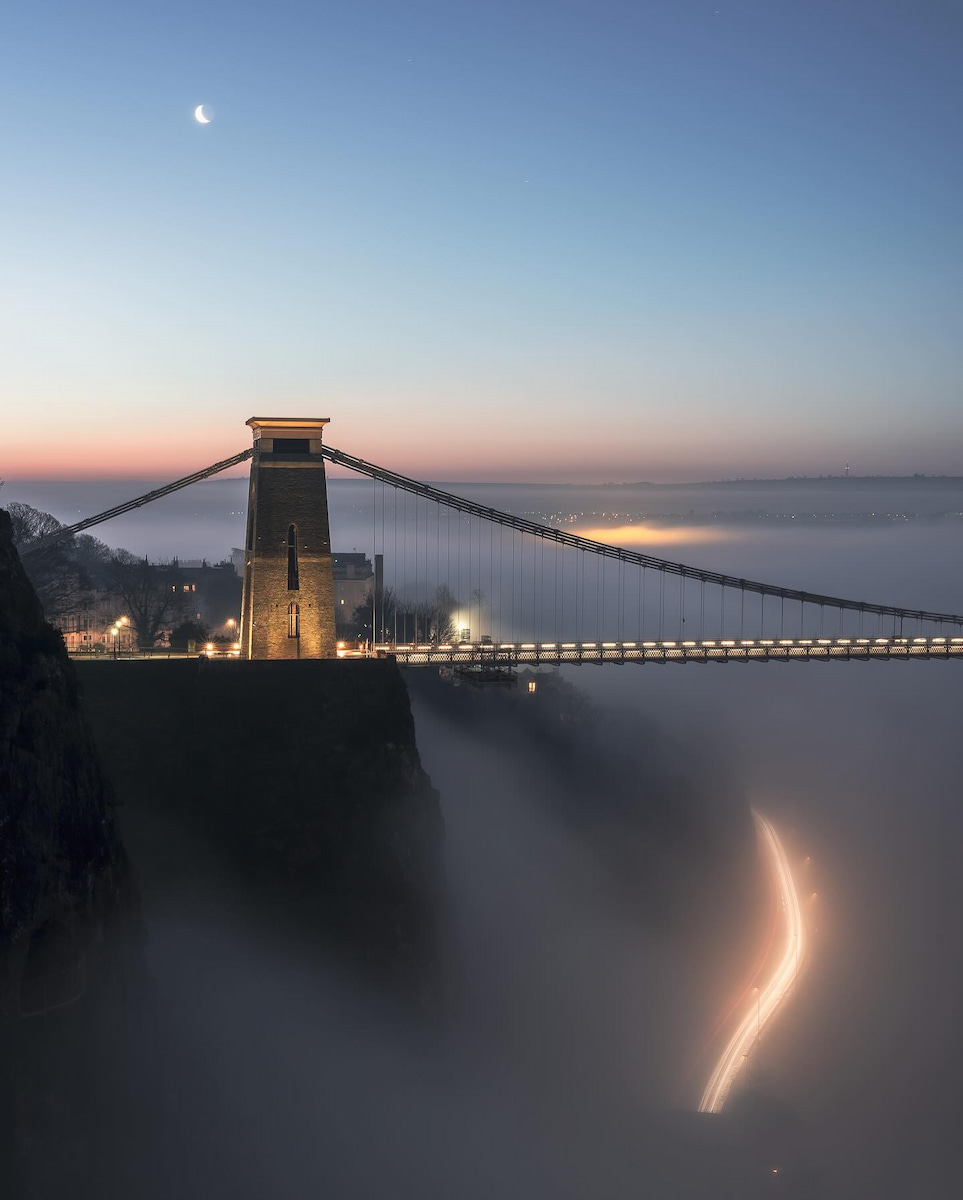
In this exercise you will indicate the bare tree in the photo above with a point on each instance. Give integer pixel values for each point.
(429, 621)
(29, 525)
(52, 569)
(91, 556)
(151, 594)
(365, 617)
(441, 616)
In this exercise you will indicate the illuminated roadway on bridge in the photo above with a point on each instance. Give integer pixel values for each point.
(506, 654)
(763, 1008)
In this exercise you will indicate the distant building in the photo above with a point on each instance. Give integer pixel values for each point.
(209, 594)
(353, 584)
(212, 594)
(87, 629)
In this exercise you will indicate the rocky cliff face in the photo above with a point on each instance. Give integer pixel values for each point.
(69, 940)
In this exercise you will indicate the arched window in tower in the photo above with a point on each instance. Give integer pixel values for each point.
(294, 620)
(293, 584)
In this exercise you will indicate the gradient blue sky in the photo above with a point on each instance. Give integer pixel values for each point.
(542, 240)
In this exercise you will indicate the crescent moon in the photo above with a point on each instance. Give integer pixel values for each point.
(199, 115)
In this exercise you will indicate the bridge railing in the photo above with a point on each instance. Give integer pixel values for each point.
(727, 650)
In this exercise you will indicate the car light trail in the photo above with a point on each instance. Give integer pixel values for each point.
(771, 996)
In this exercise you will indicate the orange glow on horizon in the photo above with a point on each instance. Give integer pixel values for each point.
(123, 450)
(648, 534)
(160, 464)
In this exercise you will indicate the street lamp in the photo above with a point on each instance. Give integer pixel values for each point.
(113, 633)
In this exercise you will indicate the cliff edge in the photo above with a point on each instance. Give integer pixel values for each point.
(69, 918)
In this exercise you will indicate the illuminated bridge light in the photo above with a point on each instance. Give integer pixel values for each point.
(882, 641)
(825, 641)
(765, 643)
(527, 646)
(629, 645)
(939, 640)
(786, 642)
(588, 645)
(918, 640)
(688, 643)
(708, 643)
(609, 645)
(728, 643)
(548, 645)
(671, 644)
(744, 643)
(568, 645)
(649, 645)
(843, 641)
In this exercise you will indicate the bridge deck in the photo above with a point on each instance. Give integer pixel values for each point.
(503, 654)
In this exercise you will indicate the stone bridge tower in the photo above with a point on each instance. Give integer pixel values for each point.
(287, 610)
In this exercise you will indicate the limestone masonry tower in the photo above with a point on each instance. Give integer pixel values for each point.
(287, 609)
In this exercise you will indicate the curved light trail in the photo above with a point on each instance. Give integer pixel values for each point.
(771, 996)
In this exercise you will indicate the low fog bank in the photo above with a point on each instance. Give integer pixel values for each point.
(598, 911)
(207, 520)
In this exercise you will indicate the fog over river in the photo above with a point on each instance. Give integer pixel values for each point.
(570, 1064)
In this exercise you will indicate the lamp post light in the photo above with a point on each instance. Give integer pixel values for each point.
(114, 630)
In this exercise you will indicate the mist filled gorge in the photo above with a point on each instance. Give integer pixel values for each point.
(594, 911)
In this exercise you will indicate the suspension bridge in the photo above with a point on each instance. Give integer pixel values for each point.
(464, 584)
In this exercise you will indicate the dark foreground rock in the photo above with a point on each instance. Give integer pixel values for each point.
(69, 918)
(303, 781)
